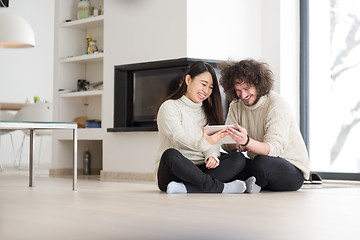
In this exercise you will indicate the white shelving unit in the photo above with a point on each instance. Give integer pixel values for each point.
(96, 57)
(83, 134)
(91, 22)
(72, 63)
(81, 94)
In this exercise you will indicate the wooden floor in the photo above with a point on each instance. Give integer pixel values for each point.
(133, 210)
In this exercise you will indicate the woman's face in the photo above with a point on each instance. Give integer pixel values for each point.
(199, 88)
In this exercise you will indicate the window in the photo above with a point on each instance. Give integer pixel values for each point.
(331, 75)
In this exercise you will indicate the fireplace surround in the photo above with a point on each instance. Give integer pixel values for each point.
(140, 88)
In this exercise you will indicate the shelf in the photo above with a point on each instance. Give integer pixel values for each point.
(83, 134)
(81, 94)
(133, 129)
(86, 58)
(90, 22)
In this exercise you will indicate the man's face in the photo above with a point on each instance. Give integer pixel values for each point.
(247, 93)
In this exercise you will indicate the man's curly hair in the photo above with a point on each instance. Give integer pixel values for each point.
(248, 71)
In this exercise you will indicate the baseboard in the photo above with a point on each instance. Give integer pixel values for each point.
(121, 176)
(105, 175)
(59, 172)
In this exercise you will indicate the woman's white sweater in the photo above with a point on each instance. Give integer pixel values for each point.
(179, 123)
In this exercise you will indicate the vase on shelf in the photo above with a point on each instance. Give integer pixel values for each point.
(84, 9)
(92, 47)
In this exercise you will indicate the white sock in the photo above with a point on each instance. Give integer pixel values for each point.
(251, 186)
(236, 186)
(176, 187)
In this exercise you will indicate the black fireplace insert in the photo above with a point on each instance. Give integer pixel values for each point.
(140, 88)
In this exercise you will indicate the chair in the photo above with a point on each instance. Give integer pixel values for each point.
(41, 112)
(7, 116)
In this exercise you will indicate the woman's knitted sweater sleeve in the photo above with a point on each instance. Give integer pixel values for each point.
(170, 122)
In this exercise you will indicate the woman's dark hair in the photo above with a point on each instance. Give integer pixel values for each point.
(212, 105)
(247, 71)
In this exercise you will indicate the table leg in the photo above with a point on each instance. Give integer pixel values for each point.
(31, 160)
(75, 160)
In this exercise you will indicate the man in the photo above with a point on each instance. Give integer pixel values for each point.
(266, 129)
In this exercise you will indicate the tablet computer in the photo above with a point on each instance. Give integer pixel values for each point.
(210, 130)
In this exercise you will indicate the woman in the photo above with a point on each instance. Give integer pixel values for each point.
(189, 161)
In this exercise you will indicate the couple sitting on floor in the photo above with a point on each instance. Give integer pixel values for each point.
(189, 159)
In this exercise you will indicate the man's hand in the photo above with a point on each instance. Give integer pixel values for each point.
(240, 135)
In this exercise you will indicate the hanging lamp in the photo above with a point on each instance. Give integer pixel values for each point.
(15, 32)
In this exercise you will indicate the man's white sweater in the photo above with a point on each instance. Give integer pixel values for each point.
(179, 123)
(271, 120)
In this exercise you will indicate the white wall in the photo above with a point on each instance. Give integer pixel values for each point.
(280, 32)
(290, 54)
(223, 30)
(137, 31)
(25, 73)
(209, 29)
(266, 30)
(28, 72)
(270, 35)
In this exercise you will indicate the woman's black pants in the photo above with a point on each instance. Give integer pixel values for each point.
(174, 166)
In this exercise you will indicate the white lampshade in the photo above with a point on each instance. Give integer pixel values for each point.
(15, 32)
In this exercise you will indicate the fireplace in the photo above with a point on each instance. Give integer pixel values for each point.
(140, 88)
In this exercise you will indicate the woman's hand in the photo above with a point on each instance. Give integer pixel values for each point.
(240, 136)
(216, 137)
(211, 163)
